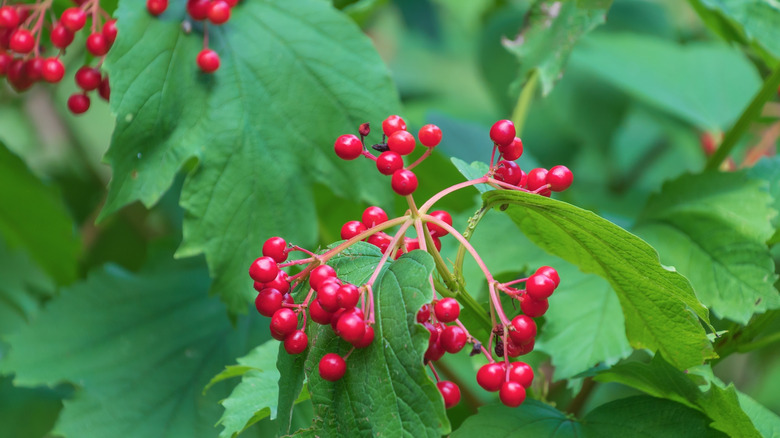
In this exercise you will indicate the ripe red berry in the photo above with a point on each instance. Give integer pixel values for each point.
(401, 142)
(352, 229)
(219, 12)
(33, 68)
(424, 314)
(491, 376)
(509, 172)
(52, 70)
(280, 283)
(61, 37)
(17, 75)
(524, 329)
(276, 248)
(351, 327)
(78, 103)
(97, 44)
(318, 314)
(263, 269)
(449, 392)
(208, 61)
(347, 296)
(373, 216)
(284, 321)
(537, 178)
(388, 162)
(368, 338)
(88, 78)
(447, 310)
(296, 342)
(551, 273)
(393, 124)
(512, 394)
(512, 151)
(104, 90)
(156, 7)
(534, 308)
(9, 18)
(503, 132)
(348, 147)
(5, 62)
(429, 135)
(453, 339)
(404, 182)
(22, 41)
(521, 373)
(559, 178)
(74, 19)
(109, 31)
(539, 287)
(319, 274)
(198, 9)
(327, 294)
(436, 230)
(381, 240)
(332, 367)
(268, 301)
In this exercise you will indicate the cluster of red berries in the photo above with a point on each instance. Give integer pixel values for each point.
(216, 12)
(21, 61)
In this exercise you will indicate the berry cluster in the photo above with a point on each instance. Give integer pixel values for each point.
(216, 12)
(22, 28)
(349, 309)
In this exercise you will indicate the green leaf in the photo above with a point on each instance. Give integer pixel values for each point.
(549, 34)
(768, 169)
(475, 170)
(638, 416)
(758, 20)
(659, 306)
(139, 347)
(676, 79)
(28, 412)
(660, 379)
(766, 422)
(712, 227)
(33, 217)
(261, 127)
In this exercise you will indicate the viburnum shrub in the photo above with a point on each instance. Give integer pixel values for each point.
(349, 309)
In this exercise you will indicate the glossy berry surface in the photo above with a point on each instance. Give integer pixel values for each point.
(332, 367)
(368, 338)
(198, 9)
(537, 178)
(52, 70)
(88, 78)
(449, 392)
(446, 310)
(74, 19)
(388, 162)
(22, 41)
(453, 339)
(404, 182)
(551, 273)
(392, 124)
(521, 373)
(352, 229)
(524, 329)
(284, 321)
(97, 44)
(539, 287)
(512, 394)
(61, 37)
(268, 301)
(275, 247)
(208, 61)
(534, 308)
(509, 172)
(319, 274)
(348, 147)
(296, 342)
(435, 229)
(429, 135)
(373, 216)
(424, 314)
(9, 18)
(401, 142)
(219, 12)
(263, 269)
(318, 314)
(78, 103)
(156, 7)
(347, 296)
(327, 294)
(502, 132)
(351, 327)
(491, 376)
(559, 178)
(109, 31)
(513, 150)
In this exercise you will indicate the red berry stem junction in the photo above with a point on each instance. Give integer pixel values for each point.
(349, 308)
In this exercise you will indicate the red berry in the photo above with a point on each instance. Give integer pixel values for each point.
(512, 394)
(351, 327)
(332, 367)
(280, 283)
(88, 78)
(52, 70)
(74, 19)
(276, 248)
(328, 295)
(5, 62)
(219, 12)
(401, 142)
(61, 37)
(268, 301)
(263, 269)
(232, 2)
(347, 296)
(436, 230)
(512, 151)
(22, 41)
(352, 229)
(412, 244)
(17, 75)
(450, 392)
(453, 339)
(208, 61)
(424, 314)
(524, 329)
(368, 338)
(437, 243)
(318, 314)
(515, 350)
(373, 216)
(551, 273)
(534, 308)
(521, 373)
(429, 135)
(503, 132)
(156, 7)
(388, 162)
(9, 18)
(78, 103)
(296, 342)
(393, 124)
(319, 274)
(198, 9)
(536, 179)
(109, 31)
(104, 89)
(559, 178)
(539, 286)
(33, 68)
(348, 147)
(97, 44)
(509, 172)
(447, 310)
(491, 376)
(381, 240)
(404, 182)
(283, 322)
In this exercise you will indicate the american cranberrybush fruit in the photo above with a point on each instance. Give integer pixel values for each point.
(512, 394)
(318, 314)
(156, 7)
(78, 103)
(509, 172)
(381, 240)
(22, 41)
(296, 342)
(534, 308)
(268, 301)
(97, 44)
(74, 19)
(276, 248)
(351, 327)
(347, 296)
(52, 70)
(352, 229)
(198, 9)
(446, 310)
(104, 90)
(280, 283)
(449, 392)
(436, 230)
(513, 150)
(263, 269)
(17, 75)
(453, 339)
(551, 273)
(524, 329)
(319, 274)
(208, 61)
(348, 147)
(327, 294)
(219, 12)
(559, 178)
(61, 37)
(283, 322)
(373, 216)
(393, 124)
(5, 62)
(404, 182)
(33, 68)
(368, 338)
(424, 314)
(502, 132)
(88, 78)
(539, 287)
(401, 142)
(109, 31)
(9, 18)
(435, 350)
(429, 135)
(537, 178)
(332, 367)
(388, 162)
(521, 373)
(491, 376)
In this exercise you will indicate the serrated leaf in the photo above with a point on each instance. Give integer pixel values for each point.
(34, 218)
(261, 127)
(659, 306)
(549, 34)
(634, 416)
(712, 227)
(759, 20)
(139, 348)
(660, 379)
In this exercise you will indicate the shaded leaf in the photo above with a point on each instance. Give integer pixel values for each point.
(758, 20)
(475, 170)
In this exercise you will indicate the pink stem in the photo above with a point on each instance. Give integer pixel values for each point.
(421, 159)
(429, 203)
